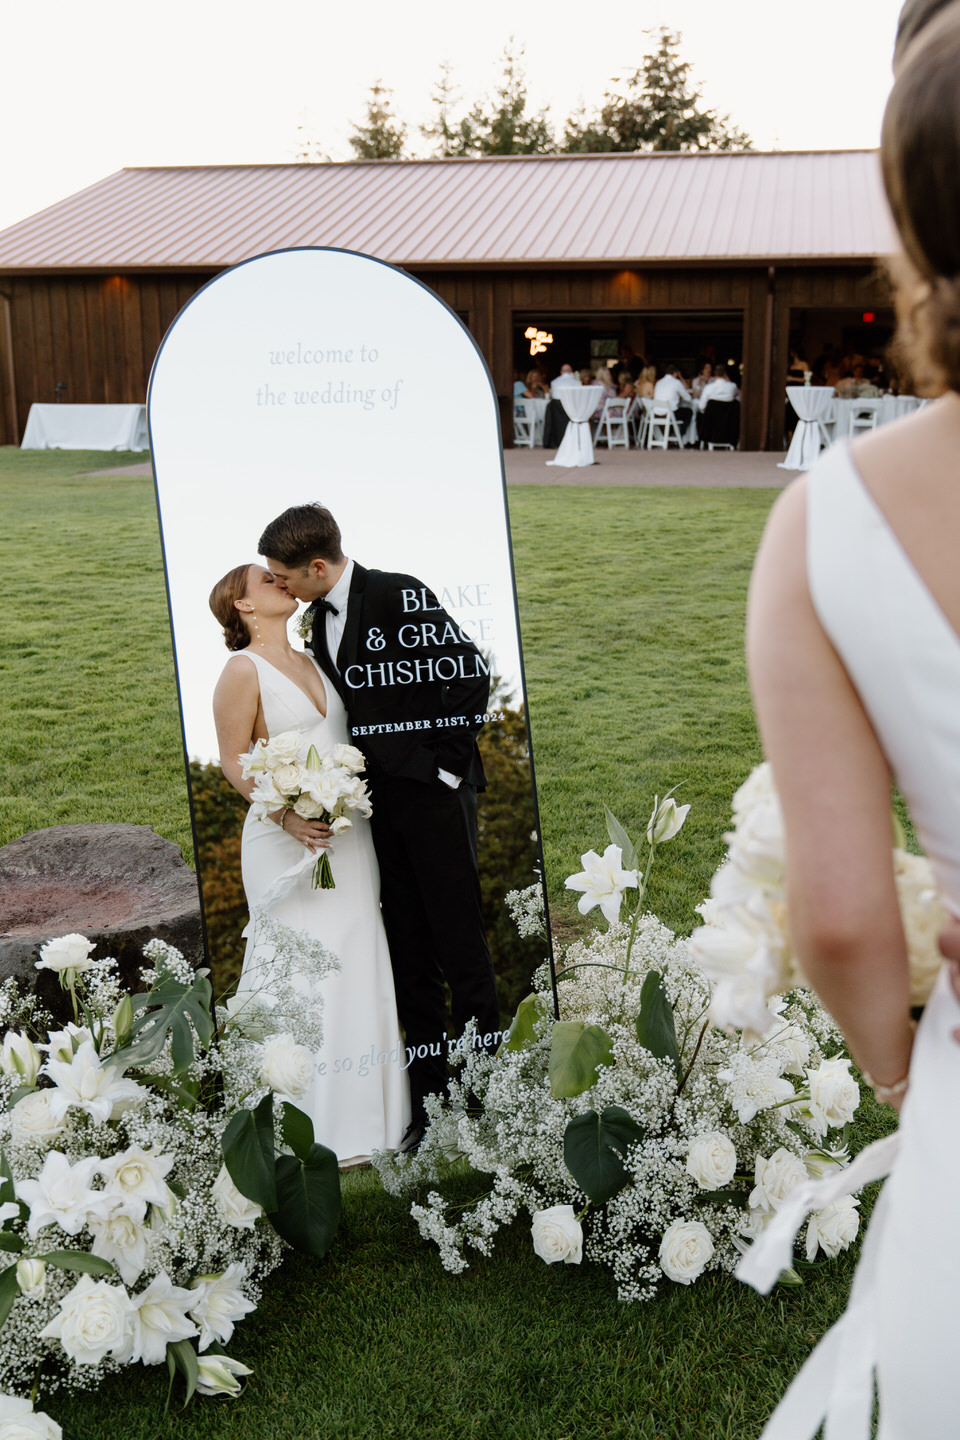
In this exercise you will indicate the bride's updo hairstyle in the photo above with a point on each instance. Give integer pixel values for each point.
(223, 598)
(920, 152)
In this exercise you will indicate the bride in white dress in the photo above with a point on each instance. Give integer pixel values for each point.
(854, 650)
(358, 1100)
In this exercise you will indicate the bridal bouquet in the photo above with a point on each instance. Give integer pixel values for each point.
(632, 1132)
(142, 1199)
(289, 774)
(744, 947)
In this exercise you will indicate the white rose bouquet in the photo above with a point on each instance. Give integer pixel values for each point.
(634, 1134)
(289, 774)
(142, 1201)
(744, 947)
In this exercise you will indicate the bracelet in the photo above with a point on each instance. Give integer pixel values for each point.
(283, 817)
(886, 1093)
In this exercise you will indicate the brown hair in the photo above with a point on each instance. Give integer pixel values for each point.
(223, 598)
(301, 534)
(914, 17)
(920, 152)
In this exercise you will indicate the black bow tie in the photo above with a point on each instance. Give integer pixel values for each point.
(325, 605)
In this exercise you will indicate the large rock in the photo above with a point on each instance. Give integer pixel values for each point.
(120, 885)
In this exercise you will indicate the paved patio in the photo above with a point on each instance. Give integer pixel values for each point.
(731, 468)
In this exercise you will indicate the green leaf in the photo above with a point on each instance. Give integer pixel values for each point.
(297, 1131)
(182, 1356)
(789, 1277)
(656, 1029)
(723, 1197)
(593, 1149)
(168, 1006)
(10, 1241)
(619, 836)
(9, 1290)
(185, 1094)
(307, 1211)
(577, 1051)
(78, 1260)
(899, 834)
(522, 1031)
(248, 1153)
(18, 1094)
(6, 1177)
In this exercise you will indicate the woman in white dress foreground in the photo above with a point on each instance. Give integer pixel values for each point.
(854, 651)
(358, 1100)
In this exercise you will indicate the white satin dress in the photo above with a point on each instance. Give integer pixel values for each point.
(903, 1319)
(359, 1099)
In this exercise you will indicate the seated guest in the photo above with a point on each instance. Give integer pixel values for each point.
(565, 380)
(671, 391)
(797, 370)
(536, 390)
(604, 378)
(627, 389)
(519, 387)
(721, 387)
(704, 378)
(645, 385)
(586, 377)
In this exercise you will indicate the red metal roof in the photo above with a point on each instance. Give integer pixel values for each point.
(561, 209)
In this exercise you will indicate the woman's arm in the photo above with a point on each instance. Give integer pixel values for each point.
(834, 786)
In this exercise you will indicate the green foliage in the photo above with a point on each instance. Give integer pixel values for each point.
(523, 1024)
(449, 137)
(500, 125)
(383, 136)
(219, 812)
(656, 1027)
(577, 1050)
(248, 1153)
(169, 1008)
(594, 1147)
(655, 108)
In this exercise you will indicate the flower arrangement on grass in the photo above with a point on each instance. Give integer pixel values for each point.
(634, 1133)
(153, 1169)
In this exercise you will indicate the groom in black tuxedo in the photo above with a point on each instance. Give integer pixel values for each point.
(415, 691)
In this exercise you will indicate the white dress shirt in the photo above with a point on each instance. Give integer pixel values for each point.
(670, 391)
(564, 382)
(718, 389)
(340, 597)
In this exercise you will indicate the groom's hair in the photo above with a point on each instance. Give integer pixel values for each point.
(301, 534)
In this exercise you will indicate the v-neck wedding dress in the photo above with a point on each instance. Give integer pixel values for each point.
(358, 1100)
(903, 1318)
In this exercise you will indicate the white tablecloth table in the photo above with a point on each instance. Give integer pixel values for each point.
(812, 403)
(891, 408)
(535, 411)
(576, 447)
(86, 427)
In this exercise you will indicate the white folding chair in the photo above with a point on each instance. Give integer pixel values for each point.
(523, 425)
(864, 416)
(613, 424)
(635, 420)
(662, 427)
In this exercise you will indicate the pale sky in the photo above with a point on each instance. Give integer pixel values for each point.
(88, 89)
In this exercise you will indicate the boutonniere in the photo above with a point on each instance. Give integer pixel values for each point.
(305, 626)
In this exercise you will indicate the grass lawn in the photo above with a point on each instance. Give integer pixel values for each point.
(632, 605)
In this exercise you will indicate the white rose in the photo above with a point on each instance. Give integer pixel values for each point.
(19, 1056)
(32, 1281)
(283, 748)
(557, 1235)
(232, 1207)
(33, 1118)
(120, 1237)
(923, 919)
(95, 1320)
(834, 1228)
(757, 788)
(775, 1178)
(712, 1160)
(66, 955)
(834, 1095)
(287, 778)
(791, 1045)
(685, 1251)
(137, 1178)
(350, 757)
(285, 1067)
(19, 1421)
(217, 1375)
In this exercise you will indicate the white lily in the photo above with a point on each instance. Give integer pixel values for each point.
(667, 819)
(603, 881)
(99, 1090)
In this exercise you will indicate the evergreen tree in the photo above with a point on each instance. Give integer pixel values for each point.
(655, 108)
(501, 126)
(383, 135)
(450, 137)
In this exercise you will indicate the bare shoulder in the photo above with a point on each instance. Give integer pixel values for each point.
(238, 678)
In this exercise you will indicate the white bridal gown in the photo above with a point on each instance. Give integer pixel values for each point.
(903, 1318)
(359, 1098)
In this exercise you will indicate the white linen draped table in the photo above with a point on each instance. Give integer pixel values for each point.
(86, 427)
(576, 447)
(891, 408)
(535, 410)
(812, 404)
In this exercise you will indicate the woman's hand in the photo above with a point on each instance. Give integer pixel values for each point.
(314, 834)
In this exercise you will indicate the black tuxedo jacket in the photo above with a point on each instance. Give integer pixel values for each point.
(415, 688)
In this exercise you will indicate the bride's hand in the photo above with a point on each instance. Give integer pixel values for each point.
(314, 834)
